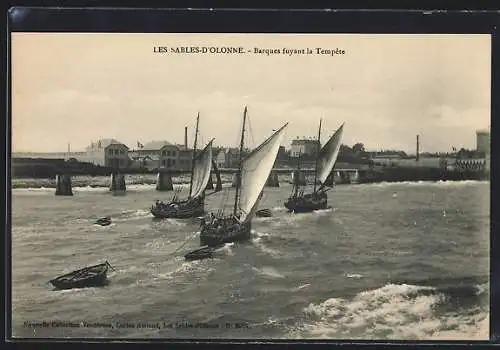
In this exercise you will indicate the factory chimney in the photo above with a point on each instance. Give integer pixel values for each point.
(186, 137)
(418, 149)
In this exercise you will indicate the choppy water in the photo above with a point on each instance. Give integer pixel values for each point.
(388, 261)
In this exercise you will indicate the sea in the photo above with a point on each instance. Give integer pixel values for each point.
(391, 261)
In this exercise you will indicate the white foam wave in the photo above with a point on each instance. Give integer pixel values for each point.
(279, 209)
(390, 312)
(186, 267)
(268, 272)
(257, 242)
(302, 286)
(225, 250)
(425, 183)
(353, 275)
(132, 214)
(324, 211)
(483, 288)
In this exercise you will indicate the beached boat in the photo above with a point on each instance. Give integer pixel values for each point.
(92, 276)
(251, 177)
(326, 158)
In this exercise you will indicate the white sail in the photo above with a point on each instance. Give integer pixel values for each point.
(328, 155)
(255, 170)
(201, 171)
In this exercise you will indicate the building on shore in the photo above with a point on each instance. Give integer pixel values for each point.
(220, 157)
(105, 152)
(303, 146)
(483, 141)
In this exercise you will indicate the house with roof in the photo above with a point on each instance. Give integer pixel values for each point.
(105, 152)
(219, 155)
(233, 156)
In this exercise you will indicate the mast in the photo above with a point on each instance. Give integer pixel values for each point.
(238, 173)
(296, 181)
(317, 156)
(194, 155)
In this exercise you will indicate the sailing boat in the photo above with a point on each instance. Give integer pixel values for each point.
(325, 161)
(251, 176)
(194, 205)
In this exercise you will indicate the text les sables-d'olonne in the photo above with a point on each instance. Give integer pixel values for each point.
(214, 50)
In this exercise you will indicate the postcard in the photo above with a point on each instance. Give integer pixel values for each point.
(250, 186)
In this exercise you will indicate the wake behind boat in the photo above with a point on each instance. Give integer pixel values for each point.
(326, 158)
(92, 276)
(194, 205)
(251, 177)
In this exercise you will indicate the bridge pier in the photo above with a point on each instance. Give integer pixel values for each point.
(299, 178)
(337, 177)
(117, 183)
(354, 177)
(272, 180)
(63, 185)
(164, 182)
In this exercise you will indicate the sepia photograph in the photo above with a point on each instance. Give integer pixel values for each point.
(250, 186)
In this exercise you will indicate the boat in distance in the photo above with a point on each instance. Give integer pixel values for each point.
(251, 176)
(326, 158)
(92, 276)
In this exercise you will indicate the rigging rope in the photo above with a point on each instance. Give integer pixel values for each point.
(183, 244)
(224, 199)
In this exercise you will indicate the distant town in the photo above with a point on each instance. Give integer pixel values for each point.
(153, 155)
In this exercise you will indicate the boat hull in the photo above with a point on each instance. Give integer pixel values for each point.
(307, 203)
(179, 210)
(206, 252)
(95, 276)
(224, 230)
(103, 221)
(263, 213)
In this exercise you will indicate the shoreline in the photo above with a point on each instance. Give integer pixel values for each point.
(130, 180)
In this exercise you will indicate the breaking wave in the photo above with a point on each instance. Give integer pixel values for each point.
(394, 311)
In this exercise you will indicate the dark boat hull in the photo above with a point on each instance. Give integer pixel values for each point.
(307, 203)
(94, 276)
(103, 222)
(206, 252)
(179, 210)
(212, 235)
(263, 213)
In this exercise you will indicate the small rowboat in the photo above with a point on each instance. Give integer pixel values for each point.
(204, 252)
(105, 221)
(92, 276)
(263, 213)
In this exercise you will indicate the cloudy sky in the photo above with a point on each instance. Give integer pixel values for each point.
(77, 88)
